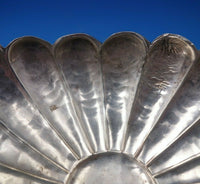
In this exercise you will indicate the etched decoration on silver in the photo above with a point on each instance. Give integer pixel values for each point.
(81, 112)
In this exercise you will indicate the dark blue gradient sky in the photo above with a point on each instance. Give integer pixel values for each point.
(51, 19)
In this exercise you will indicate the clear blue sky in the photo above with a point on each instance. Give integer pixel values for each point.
(49, 20)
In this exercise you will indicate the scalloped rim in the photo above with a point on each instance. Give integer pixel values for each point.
(92, 39)
(97, 44)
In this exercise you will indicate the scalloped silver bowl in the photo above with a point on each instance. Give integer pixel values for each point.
(81, 112)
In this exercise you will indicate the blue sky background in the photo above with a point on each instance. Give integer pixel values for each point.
(49, 20)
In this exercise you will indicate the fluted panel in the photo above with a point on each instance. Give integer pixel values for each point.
(185, 149)
(18, 156)
(122, 56)
(187, 173)
(77, 56)
(9, 176)
(169, 59)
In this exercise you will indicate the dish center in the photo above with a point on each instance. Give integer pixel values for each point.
(109, 168)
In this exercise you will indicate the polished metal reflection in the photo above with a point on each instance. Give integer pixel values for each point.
(80, 111)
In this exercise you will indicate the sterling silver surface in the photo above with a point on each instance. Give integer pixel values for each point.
(81, 112)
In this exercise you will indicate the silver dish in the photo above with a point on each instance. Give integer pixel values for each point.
(81, 112)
